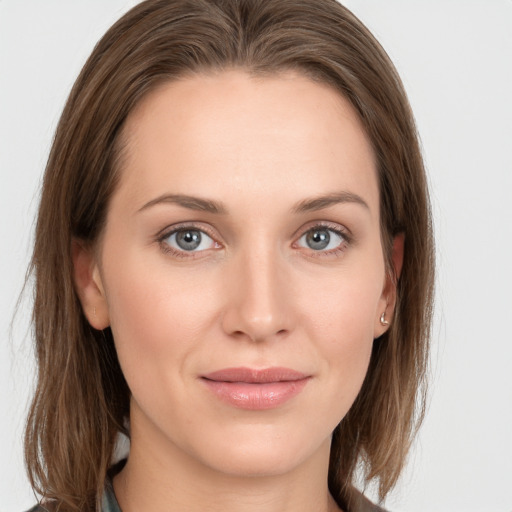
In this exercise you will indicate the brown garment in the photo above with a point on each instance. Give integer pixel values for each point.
(363, 504)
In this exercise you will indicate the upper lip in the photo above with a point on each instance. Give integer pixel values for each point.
(255, 376)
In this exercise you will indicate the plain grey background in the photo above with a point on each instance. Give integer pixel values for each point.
(455, 58)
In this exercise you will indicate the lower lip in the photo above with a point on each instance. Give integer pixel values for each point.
(256, 396)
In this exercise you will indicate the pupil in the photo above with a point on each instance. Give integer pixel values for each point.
(318, 239)
(188, 240)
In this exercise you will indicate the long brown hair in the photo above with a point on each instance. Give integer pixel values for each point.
(82, 399)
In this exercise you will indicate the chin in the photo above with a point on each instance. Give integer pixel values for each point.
(261, 456)
(259, 464)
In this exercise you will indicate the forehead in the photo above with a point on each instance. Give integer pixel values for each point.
(278, 136)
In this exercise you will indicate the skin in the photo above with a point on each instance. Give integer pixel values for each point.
(255, 294)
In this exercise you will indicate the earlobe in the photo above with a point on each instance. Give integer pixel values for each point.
(89, 285)
(389, 293)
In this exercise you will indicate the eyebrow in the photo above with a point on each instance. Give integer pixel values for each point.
(190, 202)
(321, 202)
(211, 206)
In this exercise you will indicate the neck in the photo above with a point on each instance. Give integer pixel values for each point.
(156, 479)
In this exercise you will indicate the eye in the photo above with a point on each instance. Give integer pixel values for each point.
(321, 238)
(188, 240)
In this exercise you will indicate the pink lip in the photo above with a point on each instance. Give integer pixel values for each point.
(253, 389)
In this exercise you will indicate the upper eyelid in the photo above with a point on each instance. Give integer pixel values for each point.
(170, 230)
(333, 226)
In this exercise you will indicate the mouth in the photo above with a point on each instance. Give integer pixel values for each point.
(256, 389)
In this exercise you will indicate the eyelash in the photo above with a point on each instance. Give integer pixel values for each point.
(334, 228)
(166, 248)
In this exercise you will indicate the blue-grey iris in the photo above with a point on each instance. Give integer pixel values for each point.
(318, 239)
(188, 240)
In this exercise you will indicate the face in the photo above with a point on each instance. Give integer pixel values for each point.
(241, 269)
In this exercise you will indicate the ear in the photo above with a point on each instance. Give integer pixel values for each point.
(388, 299)
(88, 284)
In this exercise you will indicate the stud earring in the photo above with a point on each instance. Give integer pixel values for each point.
(383, 320)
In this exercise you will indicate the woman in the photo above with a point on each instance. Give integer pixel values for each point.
(233, 266)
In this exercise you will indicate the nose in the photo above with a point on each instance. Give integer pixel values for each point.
(258, 303)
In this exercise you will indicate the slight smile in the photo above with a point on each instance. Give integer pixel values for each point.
(256, 389)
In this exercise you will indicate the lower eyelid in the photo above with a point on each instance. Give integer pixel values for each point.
(337, 252)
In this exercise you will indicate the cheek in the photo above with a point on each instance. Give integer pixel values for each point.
(156, 318)
(343, 305)
(341, 319)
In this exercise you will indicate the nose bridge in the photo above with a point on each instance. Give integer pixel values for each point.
(258, 306)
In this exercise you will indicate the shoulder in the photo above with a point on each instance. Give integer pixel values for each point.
(361, 503)
(46, 506)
